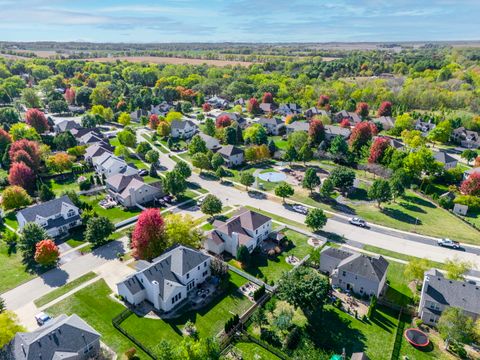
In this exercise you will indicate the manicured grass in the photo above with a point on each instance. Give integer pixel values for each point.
(432, 220)
(94, 305)
(271, 269)
(433, 352)
(252, 351)
(139, 164)
(279, 143)
(207, 227)
(11, 220)
(59, 187)
(209, 320)
(75, 237)
(12, 269)
(52, 295)
(115, 214)
(398, 291)
(334, 330)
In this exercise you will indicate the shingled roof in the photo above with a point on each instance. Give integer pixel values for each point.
(373, 268)
(46, 209)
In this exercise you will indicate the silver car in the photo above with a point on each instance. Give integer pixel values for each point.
(358, 222)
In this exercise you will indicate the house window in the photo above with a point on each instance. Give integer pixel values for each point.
(198, 267)
(173, 300)
(344, 273)
(256, 231)
(71, 213)
(188, 276)
(204, 264)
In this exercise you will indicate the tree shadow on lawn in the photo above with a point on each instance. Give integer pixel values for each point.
(358, 194)
(412, 207)
(381, 321)
(395, 296)
(419, 201)
(329, 331)
(400, 216)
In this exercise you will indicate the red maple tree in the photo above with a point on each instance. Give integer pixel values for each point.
(253, 106)
(471, 186)
(223, 121)
(206, 107)
(316, 131)
(21, 175)
(148, 237)
(5, 139)
(36, 119)
(20, 147)
(385, 109)
(378, 149)
(70, 96)
(153, 121)
(345, 123)
(362, 109)
(46, 253)
(361, 135)
(267, 98)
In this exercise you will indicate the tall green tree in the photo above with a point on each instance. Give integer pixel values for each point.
(98, 230)
(211, 205)
(246, 179)
(31, 234)
(316, 219)
(311, 180)
(284, 190)
(455, 325)
(174, 183)
(380, 191)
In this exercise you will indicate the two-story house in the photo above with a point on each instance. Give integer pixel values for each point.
(211, 142)
(218, 103)
(314, 111)
(245, 227)
(273, 125)
(289, 109)
(297, 126)
(108, 165)
(64, 125)
(56, 216)
(424, 127)
(232, 155)
(131, 190)
(386, 122)
(448, 161)
(353, 117)
(168, 279)
(234, 117)
(332, 131)
(64, 337)
(97, 149)
(439, 293)
(355, 272)
(183, 129)
(466, 138)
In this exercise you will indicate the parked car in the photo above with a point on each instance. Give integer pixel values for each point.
(168, 198)
(42, 318)
(143, 172)
(358, 222)
(300, 209)
(448, 243)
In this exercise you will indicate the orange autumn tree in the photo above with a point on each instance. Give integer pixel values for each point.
(46, 253)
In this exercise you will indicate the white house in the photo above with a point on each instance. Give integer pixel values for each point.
(245, 227)
(183, 129)
(168, 279)
(232, 155)
(273, 126)
(448, 161)
(56, 216)
(108, 164)
(131, 190)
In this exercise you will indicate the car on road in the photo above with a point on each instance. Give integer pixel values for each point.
(143, 172)
(449, 243)
(300, 209)
(42, 318)
(358, 222)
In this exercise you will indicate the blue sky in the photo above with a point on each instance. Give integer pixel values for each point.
(239, 20)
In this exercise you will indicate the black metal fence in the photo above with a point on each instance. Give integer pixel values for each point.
(398, 337)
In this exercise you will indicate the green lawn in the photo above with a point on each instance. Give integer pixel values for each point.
(334, 330)
(139, 164)
(75, 237)
(432, 220)
(115, 214)
(52, 295)
(11, 220)
(209, 320)
(252, 351)
(94, 305)
(59, 186)
(398, 291)
(279, 143)
(12, 269)
(270, 269)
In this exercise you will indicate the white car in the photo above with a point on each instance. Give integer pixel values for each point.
(449, 243)
(300, 209)
(42, 318)
(358, 222)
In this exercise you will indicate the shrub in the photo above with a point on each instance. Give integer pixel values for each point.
(131, 353)
(85, 185)
(292, 339)
(257, 294)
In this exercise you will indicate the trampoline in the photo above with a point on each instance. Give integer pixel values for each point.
(416, 337)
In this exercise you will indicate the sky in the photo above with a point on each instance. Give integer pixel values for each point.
(166, 21)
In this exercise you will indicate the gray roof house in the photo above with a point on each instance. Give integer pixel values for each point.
(232, 155)
(211, 142)
(353, 117)
(218, 103)
(356, 272)
(439, 293)
(273, 125)
(131, 190)
(245, 227)
(297, 126)
(314, 111)
(240, 120)
(97, 150)
(447, 160)
(183, 129)
(387, 122)
(268, 107)
(56, 216)
(108, 165)
(289, 109)
(168, 279)
(424, 127)
(65, 125)
(466, 138)
(332, 131)
(62, 338)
